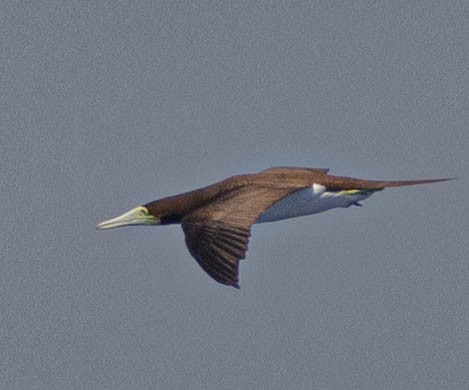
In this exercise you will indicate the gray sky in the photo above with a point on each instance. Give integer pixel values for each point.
(108, 105)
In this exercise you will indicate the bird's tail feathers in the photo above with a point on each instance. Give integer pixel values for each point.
(402, 183)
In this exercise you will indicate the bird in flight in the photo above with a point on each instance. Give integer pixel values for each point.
(217, 219)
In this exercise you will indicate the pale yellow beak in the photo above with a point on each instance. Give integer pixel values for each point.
(137, 216)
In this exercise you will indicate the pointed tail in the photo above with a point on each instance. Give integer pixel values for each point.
(402, 183)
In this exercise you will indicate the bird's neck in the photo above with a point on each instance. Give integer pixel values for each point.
(172, 209)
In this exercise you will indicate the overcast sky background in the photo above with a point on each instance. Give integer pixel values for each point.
(107, 105)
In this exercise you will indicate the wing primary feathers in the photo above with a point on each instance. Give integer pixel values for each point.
(220, 271)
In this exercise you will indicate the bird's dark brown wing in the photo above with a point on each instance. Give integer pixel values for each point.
(217, 234)
(292, 170)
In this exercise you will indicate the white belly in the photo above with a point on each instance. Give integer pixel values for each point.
(311, 200)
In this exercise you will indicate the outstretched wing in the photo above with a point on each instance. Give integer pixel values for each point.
(290, 170)
(217, 234)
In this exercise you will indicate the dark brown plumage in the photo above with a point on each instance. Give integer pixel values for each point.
(216, 219)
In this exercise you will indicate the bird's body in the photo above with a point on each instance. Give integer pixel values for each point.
(311, 200)
(217, 219)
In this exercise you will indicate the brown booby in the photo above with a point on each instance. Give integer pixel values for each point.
(217, 219)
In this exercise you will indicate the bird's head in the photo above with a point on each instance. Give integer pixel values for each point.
(139, 215)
